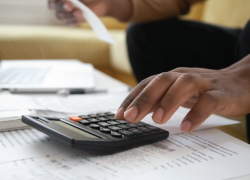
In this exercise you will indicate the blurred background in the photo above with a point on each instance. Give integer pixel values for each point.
(29, 30)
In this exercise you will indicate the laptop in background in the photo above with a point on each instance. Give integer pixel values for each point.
(41, 76)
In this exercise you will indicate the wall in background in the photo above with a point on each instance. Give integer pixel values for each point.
(31, 12)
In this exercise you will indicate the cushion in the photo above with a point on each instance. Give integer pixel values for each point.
(231, 13)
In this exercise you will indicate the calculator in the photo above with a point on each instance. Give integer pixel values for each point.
(97, 133)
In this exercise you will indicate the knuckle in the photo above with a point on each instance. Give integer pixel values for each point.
(145, 82)
(180, 69)
(212, 99)
(167, 99)
(189, 78)
(143, 99)
(165, 76)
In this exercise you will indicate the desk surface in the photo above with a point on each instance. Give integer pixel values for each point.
(105, 82)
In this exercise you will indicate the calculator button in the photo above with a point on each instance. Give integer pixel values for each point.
(111, 117)
(136, 131)
(116, 134)
(114, 128)
(84, 122)
(101, 114)
(106, 130)
(126, 133)
(123, 126)
(84, 116)
(144, 129)
(103, 124)
(153, 128)
(141, 124)
(93, 120)
(121, 121)
(75, 118)
(95, 126)
(132, 125)
(102, 119)
(93, 115)
(109, 113)
(113, 122)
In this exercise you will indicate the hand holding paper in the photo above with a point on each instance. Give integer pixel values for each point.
(68, 11)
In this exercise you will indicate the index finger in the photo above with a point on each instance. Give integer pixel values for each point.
(132, 95)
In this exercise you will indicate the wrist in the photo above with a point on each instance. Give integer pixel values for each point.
(120, 9)
(241, 68)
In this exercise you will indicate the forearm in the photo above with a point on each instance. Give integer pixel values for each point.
(149, 10)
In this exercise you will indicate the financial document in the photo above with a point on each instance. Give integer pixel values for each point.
(198, 155)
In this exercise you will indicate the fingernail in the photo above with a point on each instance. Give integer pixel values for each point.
(158, 115)
(66, 7)
(186, 126)
(119, 113)
(131, 114)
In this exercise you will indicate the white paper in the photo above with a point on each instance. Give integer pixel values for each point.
(26, 144)
(83, 103)
(17, 102)
(199, 155)
(97, 26)
(10, 115)
(173, 125)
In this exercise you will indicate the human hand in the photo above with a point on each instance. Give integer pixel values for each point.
(66, 12)
(204, 91)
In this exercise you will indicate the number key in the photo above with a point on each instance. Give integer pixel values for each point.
(144, 129)
(112, 122)
(114, 128)
(104, 124)
(126, 133)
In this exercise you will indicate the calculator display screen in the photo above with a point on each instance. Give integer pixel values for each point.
(75, 129)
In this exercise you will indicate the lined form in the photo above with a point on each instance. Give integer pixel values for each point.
(199, 155)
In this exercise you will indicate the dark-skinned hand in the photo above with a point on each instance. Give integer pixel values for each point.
(224, 92)
(65, 11)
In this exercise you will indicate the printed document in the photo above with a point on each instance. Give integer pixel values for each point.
(198, 155)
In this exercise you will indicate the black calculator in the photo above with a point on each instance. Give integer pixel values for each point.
(98, 133)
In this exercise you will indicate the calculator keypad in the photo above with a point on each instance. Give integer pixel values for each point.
(107, 123)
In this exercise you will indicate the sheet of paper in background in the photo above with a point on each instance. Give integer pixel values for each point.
(173, 125)
(95, 23)
(17, 102)
(83, 103)
(198, 155)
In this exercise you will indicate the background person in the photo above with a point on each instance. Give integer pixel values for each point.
(158, 43)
